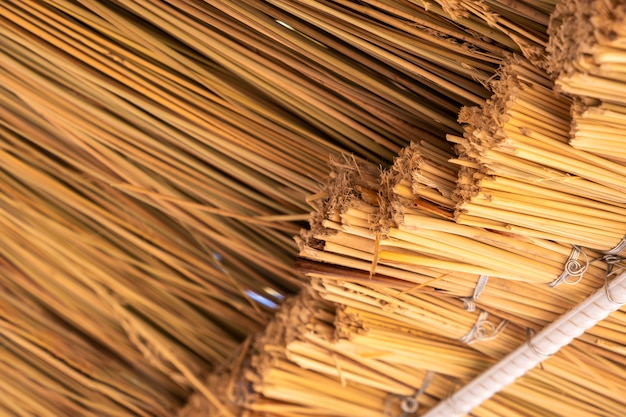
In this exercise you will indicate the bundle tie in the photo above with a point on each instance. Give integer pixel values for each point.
(530, 333)
(409, 404)
(469, 303)
(611, 260)
(573, 268)
(483, 330)
(618, 248)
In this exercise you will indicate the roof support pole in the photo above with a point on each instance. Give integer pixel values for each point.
(547, 342)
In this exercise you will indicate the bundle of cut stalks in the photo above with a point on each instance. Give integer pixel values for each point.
(521, 176)
(314, 360)
(311, 360)
(587, 48)
(423, 174)
(409, 246)
(418, 264)
(587, 40)
(413, 313)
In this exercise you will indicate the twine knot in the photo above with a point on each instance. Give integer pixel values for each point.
(410, 404)
(469, 303)
(483, 329)
(573, 267)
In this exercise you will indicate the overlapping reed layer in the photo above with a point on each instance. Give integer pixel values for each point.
(362, 225)
(524, 23)
(316, 359)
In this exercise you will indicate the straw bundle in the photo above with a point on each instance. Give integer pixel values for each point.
(590, 67)
(308, 362)
(408, 245)
(313, 360)
(396, 292)
(587, 47)
(556, 371)
(515, 150)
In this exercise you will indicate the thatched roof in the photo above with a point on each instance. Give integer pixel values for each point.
(157, 159)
